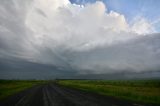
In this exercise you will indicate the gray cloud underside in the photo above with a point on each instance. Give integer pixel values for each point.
(23, 55)
(13, 68)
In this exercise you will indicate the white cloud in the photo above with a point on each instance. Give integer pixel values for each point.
(73, 26)
(142, 26)
(60, 33)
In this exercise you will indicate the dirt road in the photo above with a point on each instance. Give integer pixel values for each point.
(55, 95)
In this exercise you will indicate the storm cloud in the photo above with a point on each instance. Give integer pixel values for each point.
(79, 39)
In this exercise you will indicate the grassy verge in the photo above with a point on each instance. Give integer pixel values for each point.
(10, 87)
(145, 91)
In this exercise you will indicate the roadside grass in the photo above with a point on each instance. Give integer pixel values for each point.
(144, 91)
(10, 87)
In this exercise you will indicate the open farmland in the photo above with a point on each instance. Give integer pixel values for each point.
(144, 91)
(79, 93)
(10, 87)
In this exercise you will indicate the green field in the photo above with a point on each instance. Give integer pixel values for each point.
(10, 87)
(144, 91)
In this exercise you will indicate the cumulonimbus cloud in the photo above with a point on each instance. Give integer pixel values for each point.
(83, 38)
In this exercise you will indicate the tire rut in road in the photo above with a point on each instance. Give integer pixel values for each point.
(57, 98)
(33, 98)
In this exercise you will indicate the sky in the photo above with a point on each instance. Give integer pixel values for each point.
(45, 39)
(131, 9)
